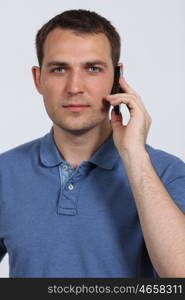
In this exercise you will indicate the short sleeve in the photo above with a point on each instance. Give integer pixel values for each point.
(175, 184)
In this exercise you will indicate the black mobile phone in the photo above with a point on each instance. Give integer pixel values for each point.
(116, 87)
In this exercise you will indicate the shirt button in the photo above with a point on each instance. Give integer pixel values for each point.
(70, 187)
(65, 167)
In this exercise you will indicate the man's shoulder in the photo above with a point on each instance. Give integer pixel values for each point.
(161, 156)
(22, 151)
(165, 162)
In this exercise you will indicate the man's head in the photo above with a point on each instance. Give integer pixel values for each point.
(81, 22)
(77, 52)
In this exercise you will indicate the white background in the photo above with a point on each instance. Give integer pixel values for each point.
(153, 47)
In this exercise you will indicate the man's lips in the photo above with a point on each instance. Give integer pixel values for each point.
(75, 107)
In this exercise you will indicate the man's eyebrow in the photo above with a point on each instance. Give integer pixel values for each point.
(57, 63)
(88, 63)
(96, 62)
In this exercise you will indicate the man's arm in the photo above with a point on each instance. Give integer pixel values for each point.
(162, 222)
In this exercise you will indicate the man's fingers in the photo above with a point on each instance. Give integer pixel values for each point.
(128, 99)
(123, 96)
(132, 104)
(126, 87)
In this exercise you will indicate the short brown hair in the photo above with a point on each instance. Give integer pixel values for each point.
(83, 22)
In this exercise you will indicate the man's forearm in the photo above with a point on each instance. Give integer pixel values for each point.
(162, 222)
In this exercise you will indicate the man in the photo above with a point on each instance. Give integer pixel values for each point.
(90, 198)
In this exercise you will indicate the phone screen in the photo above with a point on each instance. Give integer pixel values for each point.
(116, 87)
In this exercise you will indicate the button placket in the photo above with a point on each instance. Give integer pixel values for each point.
(67, 198)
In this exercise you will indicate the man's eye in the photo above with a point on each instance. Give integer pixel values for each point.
(94, 69)
(58, 70)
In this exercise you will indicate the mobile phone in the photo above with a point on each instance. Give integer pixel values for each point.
(116, 87)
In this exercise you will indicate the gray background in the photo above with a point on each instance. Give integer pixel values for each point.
(153, 47)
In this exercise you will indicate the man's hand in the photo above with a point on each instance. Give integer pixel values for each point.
(130, 138)
(160, 218)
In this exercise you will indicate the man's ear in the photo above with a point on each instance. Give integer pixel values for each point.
(36, 72)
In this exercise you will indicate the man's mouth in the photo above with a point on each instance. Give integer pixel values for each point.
(76, 107)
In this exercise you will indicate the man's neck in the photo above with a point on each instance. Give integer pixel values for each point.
(77, 148)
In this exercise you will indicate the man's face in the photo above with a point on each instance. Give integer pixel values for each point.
(76, 74)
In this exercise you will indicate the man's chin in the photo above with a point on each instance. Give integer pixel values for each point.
(76, 131)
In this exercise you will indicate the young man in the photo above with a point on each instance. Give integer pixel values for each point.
(90, 198)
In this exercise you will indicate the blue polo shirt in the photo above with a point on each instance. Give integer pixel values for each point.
(60, 222)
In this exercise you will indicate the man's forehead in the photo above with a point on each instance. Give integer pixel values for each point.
(67, 38)
(68, 44)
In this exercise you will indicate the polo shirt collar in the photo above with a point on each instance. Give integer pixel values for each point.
(49, 154)
(105, 156)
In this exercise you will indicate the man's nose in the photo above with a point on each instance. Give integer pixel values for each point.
(75, 83)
